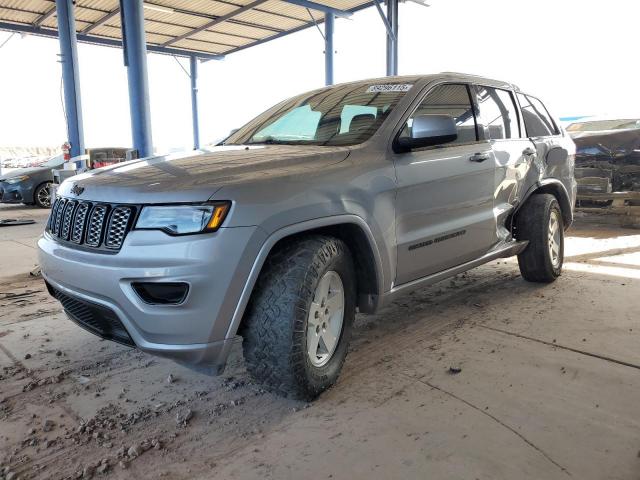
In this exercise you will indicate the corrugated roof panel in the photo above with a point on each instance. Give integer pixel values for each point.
(156, 39)
(269, 20)
(107, 31)
(104, 5)
(235, 29)
(16, 16)
(38, 6)
(221, 38)
(88, 14)
(291, 10)
(199, 46)
(167, 20)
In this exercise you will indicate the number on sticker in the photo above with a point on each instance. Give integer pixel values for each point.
(390, 87)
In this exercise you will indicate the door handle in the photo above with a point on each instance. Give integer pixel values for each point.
(527, 152)
(478, 157)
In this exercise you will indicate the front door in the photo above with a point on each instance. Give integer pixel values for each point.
(445, 192)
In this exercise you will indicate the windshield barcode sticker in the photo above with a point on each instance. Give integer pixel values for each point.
(390, 87)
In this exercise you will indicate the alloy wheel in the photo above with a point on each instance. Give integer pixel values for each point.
(326, 315)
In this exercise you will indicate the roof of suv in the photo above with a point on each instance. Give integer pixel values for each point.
(456, 76)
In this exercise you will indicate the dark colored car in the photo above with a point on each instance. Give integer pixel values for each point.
(30, 185)
(607, 155)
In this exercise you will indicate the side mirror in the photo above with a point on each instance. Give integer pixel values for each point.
(428, 130)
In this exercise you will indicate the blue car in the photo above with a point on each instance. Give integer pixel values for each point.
(30, 185)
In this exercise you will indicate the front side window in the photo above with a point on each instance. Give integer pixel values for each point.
(537, 120)
(452, 100)
(342, 115)
(498, 112)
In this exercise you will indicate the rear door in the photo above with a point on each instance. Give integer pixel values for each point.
(554, 149)
(445, 192)
(513, 151)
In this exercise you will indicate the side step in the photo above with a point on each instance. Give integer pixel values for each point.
(502, 250)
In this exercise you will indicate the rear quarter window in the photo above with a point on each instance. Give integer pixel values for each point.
(537, 120)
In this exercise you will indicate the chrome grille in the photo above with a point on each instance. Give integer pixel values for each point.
(118, 224)
(67, 216)
(79, 222)
(58, 219)
(96, 225)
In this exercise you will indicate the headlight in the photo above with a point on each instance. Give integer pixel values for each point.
(19, 179)
(183, 219)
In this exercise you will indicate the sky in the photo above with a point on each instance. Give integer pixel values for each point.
(579, 57)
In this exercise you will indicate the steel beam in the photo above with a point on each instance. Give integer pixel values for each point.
(392, 37)
(101, 21)
(212, 23)
(44, 17)
(70, 75)
(193, 73)
(320, 7)
(329, 21)
(135, 55)
(108, 42)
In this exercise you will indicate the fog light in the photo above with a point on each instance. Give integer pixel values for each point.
(161, 293)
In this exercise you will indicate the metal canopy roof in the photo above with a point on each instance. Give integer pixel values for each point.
(204, 28)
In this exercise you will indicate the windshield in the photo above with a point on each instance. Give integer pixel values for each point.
(600, 125)
(342, 115)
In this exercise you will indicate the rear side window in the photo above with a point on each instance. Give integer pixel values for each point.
(498, 112)
(537, 120)
(453, 100)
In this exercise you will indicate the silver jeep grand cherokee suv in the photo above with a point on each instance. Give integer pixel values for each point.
(335, 200)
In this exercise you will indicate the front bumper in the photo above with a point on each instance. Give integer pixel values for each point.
(196, 332)
(15, 193)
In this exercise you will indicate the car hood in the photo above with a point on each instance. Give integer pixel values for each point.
(195, 177)
(23, 171)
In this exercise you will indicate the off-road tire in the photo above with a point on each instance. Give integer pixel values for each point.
(532, 224)
(275, 323)
(37, 197)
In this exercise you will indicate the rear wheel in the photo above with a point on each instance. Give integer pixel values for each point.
(540, 223)
(42, 195)
(298, 323)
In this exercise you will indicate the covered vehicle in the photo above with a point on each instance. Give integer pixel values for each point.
(607, 155)
(30, 185)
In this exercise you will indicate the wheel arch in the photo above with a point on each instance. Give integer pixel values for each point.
(353, 231)
(553, 187)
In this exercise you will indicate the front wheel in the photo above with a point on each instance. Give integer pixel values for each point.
(298, 322)
(42, 195)
(540, 223)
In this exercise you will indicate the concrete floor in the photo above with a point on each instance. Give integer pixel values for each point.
(549, 386)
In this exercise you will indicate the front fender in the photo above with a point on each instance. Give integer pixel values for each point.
(297, 228)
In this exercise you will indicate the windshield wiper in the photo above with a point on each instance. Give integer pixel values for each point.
(274, 141)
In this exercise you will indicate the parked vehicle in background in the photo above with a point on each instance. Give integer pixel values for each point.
(607, 154)
(333, 201)
(30, 185)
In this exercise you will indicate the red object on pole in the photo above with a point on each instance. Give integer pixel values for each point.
(66, 151)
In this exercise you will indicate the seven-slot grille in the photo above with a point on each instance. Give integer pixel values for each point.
(95, 225)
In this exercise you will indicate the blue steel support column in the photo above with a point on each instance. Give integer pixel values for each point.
(135, 54)
(194, 101)
(392, 41)
(70, 75)
(329, 20)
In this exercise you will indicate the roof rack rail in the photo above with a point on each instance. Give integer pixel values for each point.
(515, 87)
